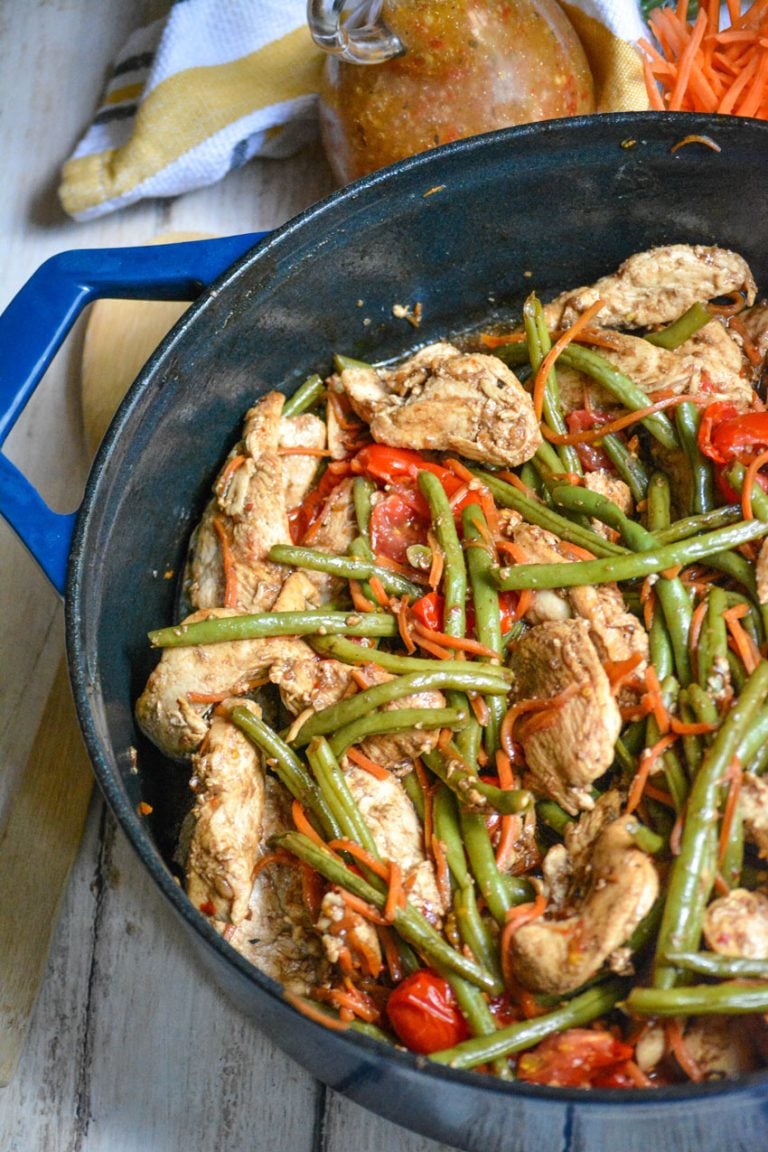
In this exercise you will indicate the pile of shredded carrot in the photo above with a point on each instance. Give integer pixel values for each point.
(699, 67)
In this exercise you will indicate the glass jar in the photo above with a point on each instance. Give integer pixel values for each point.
(403, 76)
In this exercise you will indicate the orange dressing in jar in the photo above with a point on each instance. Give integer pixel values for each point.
(464, 67)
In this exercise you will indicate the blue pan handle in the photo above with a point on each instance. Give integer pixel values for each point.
(34, 326)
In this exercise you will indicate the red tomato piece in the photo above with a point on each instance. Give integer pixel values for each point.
(424, 1013)
(398, 521)
(577, 1058)
(394, 465)
(301, 518)
(592, 456)
(429, 610)
(712, 435)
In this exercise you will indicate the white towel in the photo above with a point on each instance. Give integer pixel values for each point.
(218, 82)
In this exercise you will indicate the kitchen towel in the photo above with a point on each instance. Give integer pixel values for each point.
(217, 82)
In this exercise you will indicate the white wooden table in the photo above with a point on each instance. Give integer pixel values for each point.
(130, 1046)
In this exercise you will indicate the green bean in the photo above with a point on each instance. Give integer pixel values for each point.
(471, 789)
(408, 922)
(253, 626)
(347, 567)
(704, 522)
(480, 680)
(660, 644)
(547, 460)
(305, 396)
(737, 671)
(721, 967)
(632, 566)
(490, 881)
(287, 766)
(362, 491)
(348, 652)
(692, 872)
(681, 329)
(469, 738)
(732, 998)
(659, 502)
(553, 815)
(397, 720)
(687, 420)
(703, 705)
(539, 344)
(474, 930)
(474, 1008)
(629, 467)
(415, 793)
(621, 388)
(454, 571)
(531, 477)
(334, 787)
(754, 741)
(341, 362)
(446, 828)
(693, 745)
(735, 476)
(487, 611)
(713, 641)
(535, 513)
(582, 1009)
(645, 838)
(673, 597)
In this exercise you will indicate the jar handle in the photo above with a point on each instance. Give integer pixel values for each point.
(352, 30)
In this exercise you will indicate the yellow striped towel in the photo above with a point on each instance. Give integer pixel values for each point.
(217, 82)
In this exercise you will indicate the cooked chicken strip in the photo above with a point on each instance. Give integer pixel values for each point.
(761, 573)
(737, 924)
(556, 956)
(345, 931)
(398, 835)
(576, 744)
(615, 489)
(247, 516)
(657, 286)
(755, 320)
(442, 399)
(278, 935)
(722, 372)
(228, 780)
(753, 804)
(616, 633)
(169, 711)
(299, 471)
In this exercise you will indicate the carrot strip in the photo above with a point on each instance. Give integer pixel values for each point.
(367, 911)
(395, 894)
(227, 472)
(590, 435)
(303, 825)
(315, 1014)
(462, 643)
(299, 451)
(363, 761)
(681, 1051)
(361, 855)
(359, 600)
(562, 342)
(228, 564)
(378, 591)
(749, 483)
(647, 762)
(442, 871)
(746, 649)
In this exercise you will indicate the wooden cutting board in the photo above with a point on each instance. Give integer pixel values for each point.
(53, 796)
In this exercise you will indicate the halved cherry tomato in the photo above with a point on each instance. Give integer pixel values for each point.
(592, 456)
(429, 610)
(424, 1013)
(394, 465)
(398, 520)
(577, 1058)
(301, 518)
(725, 434)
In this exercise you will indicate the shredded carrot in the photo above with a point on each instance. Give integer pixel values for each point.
(746, 649)
(498, 340)
(278, 857)
(697, 622)
(647, 763)
(227, 562)
(676, 835)
(395, 894)
(437, 566)
(442, 871)
(734, 776)
(434, 649)
(462, 643)
(655, 701)
(402, 617)
(659, 794)
(696, 67)
(363, 761)
(575, 551)
(367, 911)
(681, 1051)
(620, 672)
(359, 600)
(514, 551)
(524, 603)
(391, 954)
(299, 451)
(303, 825)
(516, 482)
(751, 351)
(378, 591)
(590, 435)
(694, 728)
(542, 375)
(316, 1014)
(479, 710)
(227, 472)
(361, 855)
(517, 916)
(749, 482)
(549, 705)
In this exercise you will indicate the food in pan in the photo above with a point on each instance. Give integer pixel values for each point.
(473, 688)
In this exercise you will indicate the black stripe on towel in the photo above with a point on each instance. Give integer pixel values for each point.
(133, 63)
(124, 112)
